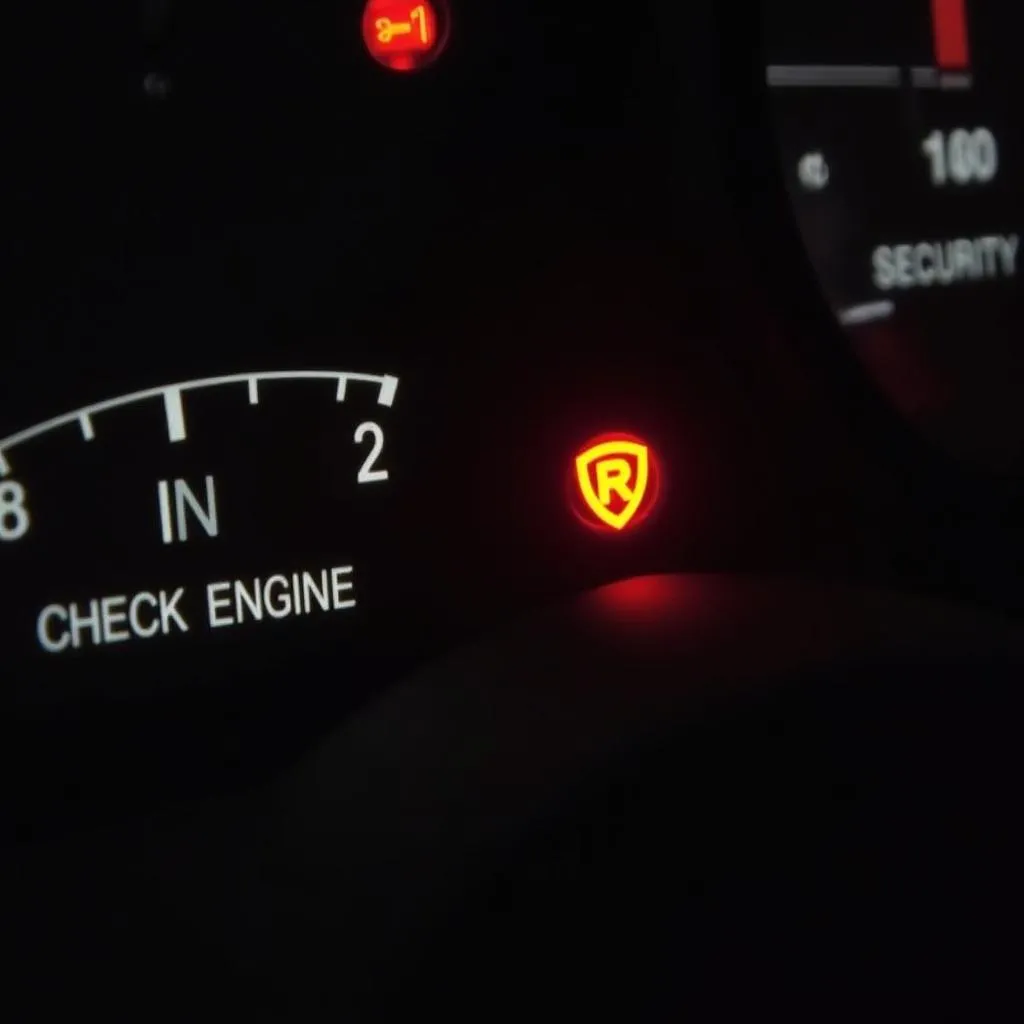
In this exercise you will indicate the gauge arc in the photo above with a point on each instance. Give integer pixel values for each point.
(171, 394)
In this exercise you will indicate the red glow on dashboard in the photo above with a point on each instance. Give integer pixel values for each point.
(403, 36)
(643, 598)
(615, 482)
(952, 46)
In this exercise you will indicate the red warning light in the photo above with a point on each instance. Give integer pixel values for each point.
(403, 36)
(615, 482)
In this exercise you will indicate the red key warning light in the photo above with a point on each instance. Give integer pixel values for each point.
(615, 480)
(404, 36)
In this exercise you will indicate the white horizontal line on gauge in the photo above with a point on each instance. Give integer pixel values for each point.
(936, 78)
(858, 76)
(867, 312)
(174, 409)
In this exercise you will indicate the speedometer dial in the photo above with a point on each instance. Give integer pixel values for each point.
(898, 125)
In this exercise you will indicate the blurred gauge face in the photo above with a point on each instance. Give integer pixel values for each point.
(899, 128)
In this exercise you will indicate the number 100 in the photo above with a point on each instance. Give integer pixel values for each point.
(962, 157)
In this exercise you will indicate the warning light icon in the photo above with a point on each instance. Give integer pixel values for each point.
(404, 36)
(616, 481)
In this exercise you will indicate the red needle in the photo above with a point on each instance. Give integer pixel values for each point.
(949, 22)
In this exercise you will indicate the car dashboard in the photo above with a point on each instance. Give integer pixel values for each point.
(343, 336)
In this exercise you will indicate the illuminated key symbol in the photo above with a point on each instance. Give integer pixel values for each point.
(404, 37)
(614, 479)
(388, 29)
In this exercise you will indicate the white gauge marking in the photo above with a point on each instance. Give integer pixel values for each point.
(936, 78)
(254, 391)
(925, 77)
(388, 389)
(171, 394)
(867, 312)
(175, 415)
(858, 76)
(955, 81)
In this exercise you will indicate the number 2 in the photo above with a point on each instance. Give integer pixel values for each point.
(367, 473)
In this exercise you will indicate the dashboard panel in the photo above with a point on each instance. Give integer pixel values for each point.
(320, 367)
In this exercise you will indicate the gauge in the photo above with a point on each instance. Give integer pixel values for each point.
(291, 398)
(315, 371)
(112, 514)
(898, 126)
